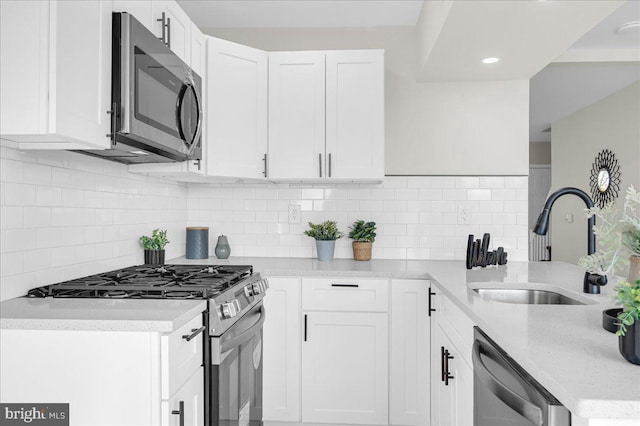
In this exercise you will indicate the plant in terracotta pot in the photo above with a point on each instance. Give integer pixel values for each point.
(325, 234)
(618, 232)
(154, 247)
(363, 235)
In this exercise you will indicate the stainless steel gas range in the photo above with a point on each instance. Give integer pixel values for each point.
(233, 324)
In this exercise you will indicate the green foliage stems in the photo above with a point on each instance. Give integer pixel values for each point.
(157, 241)
(363, 231)
(325, 231)
(628, 295)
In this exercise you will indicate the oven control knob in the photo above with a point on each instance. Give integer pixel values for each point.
(230, 309)
(248, 290)
(257, 288)
(265, 284)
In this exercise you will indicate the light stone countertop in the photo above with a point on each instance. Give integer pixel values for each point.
(563, 346)
(164, 316)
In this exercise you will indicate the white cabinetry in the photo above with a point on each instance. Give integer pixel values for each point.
(173, 24)
(452, 372)
(409, 366)
(118, 377)
(236, 110)
(345, 357)
(282, 337)
(55, 74)
(326, 115)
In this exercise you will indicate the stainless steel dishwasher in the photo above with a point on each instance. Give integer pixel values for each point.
(504, 394)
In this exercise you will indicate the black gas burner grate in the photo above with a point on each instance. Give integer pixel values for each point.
(151, 282)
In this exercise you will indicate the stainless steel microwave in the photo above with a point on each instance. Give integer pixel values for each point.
(156, 99)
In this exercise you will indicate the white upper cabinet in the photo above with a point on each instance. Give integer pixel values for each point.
(355, 114)
(198, 51)
(139, 9)
(174, 27)
(326, 115)
(296, 115)
(55, 74)
(236, 110)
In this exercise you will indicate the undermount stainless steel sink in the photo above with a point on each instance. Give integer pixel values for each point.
(526, 296)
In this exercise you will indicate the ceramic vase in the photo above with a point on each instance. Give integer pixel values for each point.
(223, 250)
(325, 249)
(154, 257)
(362, 250)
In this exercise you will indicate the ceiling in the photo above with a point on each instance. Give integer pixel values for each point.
(302, 13)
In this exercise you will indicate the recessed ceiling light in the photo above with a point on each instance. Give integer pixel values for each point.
(628, 27)
(490, 60)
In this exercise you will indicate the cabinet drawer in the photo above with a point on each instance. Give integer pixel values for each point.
(458, 325)
(187, 403)
(180, 358)
(345, 294)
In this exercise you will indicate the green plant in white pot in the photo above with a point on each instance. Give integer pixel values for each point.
(618, 232)
(325, 234)
(154, 246)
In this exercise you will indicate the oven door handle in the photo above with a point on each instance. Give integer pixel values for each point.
(243, 338)
(525, 408)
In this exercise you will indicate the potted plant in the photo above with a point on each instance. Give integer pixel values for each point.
(363, 235)
(325, 234)
(154, 247)
(618, 232)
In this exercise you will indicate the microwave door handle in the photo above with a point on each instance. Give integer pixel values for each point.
(246, 336)
(198, 131)
(179, 105)
(525, 408)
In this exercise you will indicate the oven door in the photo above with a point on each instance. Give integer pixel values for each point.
(236, 373)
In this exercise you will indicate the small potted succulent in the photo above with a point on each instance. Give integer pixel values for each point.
(618, 232)
(154, 247)
(363, 235)
(325, 234)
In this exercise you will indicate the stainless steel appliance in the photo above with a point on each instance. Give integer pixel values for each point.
(232, 359)
(156, 99)
(504, 394)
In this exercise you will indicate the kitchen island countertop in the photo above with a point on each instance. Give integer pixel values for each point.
(153, 315)
(563, 346)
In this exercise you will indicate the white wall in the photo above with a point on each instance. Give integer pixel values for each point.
(444, 128)
(416, 216)
(66, 215)
(612, 123)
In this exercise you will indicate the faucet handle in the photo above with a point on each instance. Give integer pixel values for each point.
(592, 283)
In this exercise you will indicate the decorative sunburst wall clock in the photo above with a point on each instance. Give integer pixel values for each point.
(605, 178)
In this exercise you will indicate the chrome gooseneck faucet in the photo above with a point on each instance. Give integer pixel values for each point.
(592, 282)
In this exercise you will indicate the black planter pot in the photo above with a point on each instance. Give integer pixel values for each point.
(630, 344)
(154, 257)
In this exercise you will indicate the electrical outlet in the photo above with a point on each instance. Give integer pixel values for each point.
(294, 213)
(464, 215)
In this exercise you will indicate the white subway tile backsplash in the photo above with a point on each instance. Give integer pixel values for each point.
(65, 215)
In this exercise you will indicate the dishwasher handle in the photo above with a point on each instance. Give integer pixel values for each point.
(525, 408)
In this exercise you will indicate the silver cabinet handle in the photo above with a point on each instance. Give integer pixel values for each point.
(525, 408)
(320, 164)
(194, 333)
(169, 33)
(265, 165)
(114, 123)
(329, 174)
(163, 27)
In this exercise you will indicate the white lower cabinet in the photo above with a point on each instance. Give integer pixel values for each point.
(281, 371)
(409, 348)
(107, 377)
(452, 371)
(345, 368)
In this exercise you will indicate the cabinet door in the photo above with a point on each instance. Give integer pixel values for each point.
(355, 114)
(237, 110)
(281, 371)
(451, 400)
(345, 368)
(177, 29)
(66, 99)
(186, 404)
(409, 366)
(198, 51)
(296, 115)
